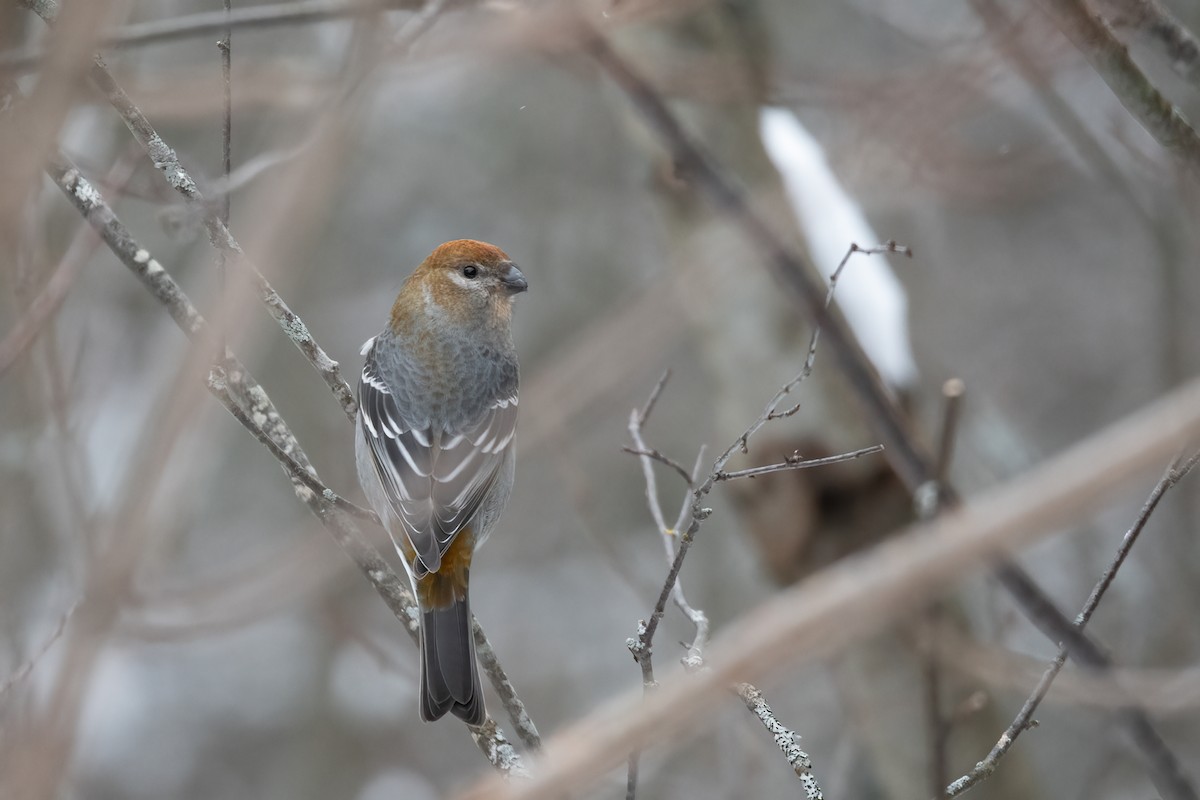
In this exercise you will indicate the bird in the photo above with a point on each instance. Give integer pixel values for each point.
(434, 450)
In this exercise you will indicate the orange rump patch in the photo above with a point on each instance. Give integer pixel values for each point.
(448, 585)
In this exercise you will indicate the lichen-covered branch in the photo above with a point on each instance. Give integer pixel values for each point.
(785, 738)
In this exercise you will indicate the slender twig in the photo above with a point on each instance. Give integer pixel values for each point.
(913, 466)
(233, 385)
(1093, 36)
(641, 646)
(798, 463)
(1024, 719)
(741, 444)
(662, 459)
(638, 646)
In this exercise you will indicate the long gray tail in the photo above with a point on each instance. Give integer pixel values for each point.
(449, 677)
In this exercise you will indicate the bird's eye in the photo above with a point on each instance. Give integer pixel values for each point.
(471, 271)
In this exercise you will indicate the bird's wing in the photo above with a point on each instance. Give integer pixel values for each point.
(434, 477)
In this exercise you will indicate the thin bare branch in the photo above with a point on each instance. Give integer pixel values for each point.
(662, 459)
(655, 393)
(697, 512)
(1024, 719)
(798, 463)
(676, 546)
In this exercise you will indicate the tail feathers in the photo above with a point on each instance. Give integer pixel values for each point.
(449, 677)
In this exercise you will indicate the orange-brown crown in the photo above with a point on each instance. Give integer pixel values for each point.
(433, 279)
(460, 252)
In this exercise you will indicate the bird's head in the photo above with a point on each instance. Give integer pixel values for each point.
(466, 280)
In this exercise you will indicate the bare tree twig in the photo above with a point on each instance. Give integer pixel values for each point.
(1024, 719)
(799, 463)
(642, 646)
(697, 512)
(234, 386)
(912, 464)
(662, 459)
(694, 659)
(1094, 38)
(854, 597)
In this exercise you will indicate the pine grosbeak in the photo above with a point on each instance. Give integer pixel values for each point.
(434, 445)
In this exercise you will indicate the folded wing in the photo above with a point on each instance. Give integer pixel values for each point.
(434, 475)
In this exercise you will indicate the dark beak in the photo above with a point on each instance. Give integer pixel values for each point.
(514, 280)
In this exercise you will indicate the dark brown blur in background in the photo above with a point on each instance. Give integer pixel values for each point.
(1054, 272)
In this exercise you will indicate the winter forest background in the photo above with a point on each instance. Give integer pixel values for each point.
(176, 619)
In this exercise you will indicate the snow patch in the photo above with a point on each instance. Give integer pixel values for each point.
(869, 294)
